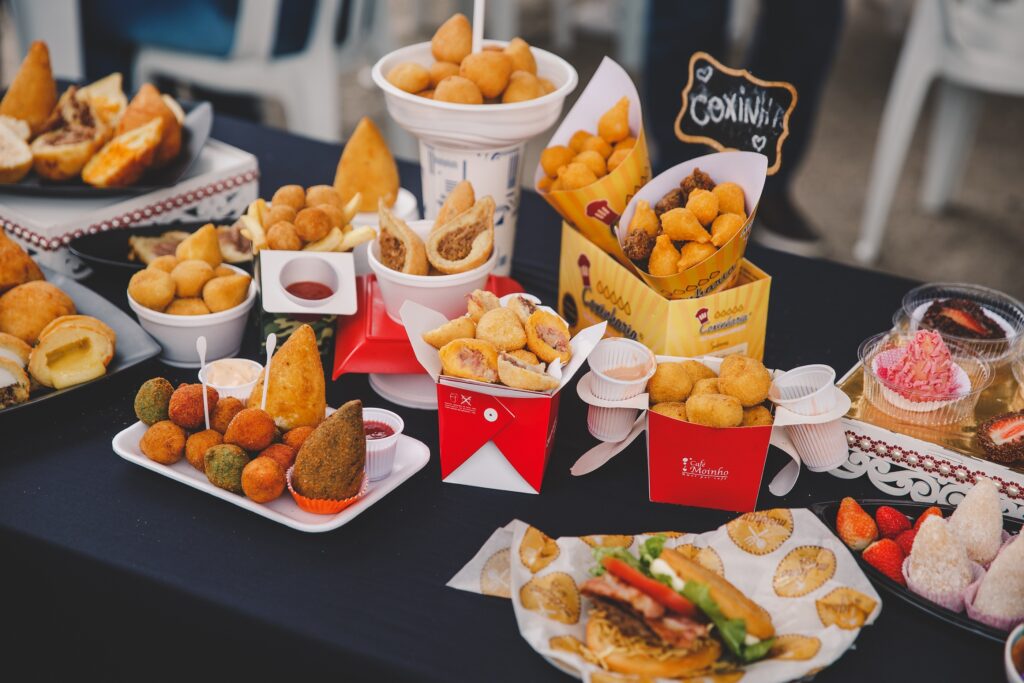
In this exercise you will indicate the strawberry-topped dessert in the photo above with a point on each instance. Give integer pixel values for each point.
(962, 318)
(1002, 437)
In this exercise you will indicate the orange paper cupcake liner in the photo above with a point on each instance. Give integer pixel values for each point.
(324, 506)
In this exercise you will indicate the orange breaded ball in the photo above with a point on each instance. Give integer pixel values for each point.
(323, 194)
(577, 140)
(670, 382)
(442, 70)
(251, 429)
(280, 212)
(714, 410)
(693, 253)
(186, 406)
(518, 50)
(453, 39)
(614, 123)
(458, 90)
(282, 454)
(409, 76)
(594, 161)
(730, 198)
(598, 144)
(617, 157)
(289, 195)
(576, 175)
(625, 143)
(221, 416)
(724, 227)
(197, 444)
(263, 480)
(283, 237)
(522, 86)
(704, 206)
(554, 158)
(312, 225)
(297, 436)
(744, 378)
(758, 416)
(490, 71)
(152, 288)
(164, 442)
(335, 215)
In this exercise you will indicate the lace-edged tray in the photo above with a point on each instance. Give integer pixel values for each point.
(221, 183)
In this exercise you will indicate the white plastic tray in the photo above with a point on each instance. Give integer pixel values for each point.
(410, 458)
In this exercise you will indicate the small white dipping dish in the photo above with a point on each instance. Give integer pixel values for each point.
(177, 334)
(231, 376)
(380, 453)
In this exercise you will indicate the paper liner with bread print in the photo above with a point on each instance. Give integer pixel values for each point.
(595, 209)
(845, 599)
(746, 169)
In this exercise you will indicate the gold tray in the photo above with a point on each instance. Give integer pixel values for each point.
(1004, 395)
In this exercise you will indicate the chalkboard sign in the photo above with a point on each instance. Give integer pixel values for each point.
(731, 109)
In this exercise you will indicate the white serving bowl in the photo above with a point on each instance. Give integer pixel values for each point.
(475, 126)
(177, 334)
(445, 294)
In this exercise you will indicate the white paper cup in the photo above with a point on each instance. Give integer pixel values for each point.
(239, 391)
(613, 424)
(445, 294)
(380, 453)
(806, 390)
(822, 447)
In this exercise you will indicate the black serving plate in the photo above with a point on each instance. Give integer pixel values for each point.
(109, 249)
(133, 345)
(827, 513)
(194, 133)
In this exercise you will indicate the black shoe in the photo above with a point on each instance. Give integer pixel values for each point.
(780, 225)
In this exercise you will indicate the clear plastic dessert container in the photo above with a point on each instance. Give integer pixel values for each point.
(914, 407)
(1006, 311)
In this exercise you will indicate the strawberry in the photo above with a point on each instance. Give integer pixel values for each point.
(906, 540)
(854, 525)
(927, 513)
(966, 320)
(891, 522)
(887, 557)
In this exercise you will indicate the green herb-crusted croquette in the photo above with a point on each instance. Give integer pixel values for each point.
(224, 465)
(152, 400)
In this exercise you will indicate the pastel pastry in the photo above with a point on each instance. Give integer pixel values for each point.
(501, 327)
(465, 242)
(522, 307)
(480, 301)
(460, 328)
(470, 359)
(518, 374)
(72, 350)
(401, 249)
(548, 337)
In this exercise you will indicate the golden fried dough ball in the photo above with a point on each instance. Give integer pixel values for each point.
(518, 50)
(152, 288)
(758, 416)
(644, 218)
(251, 429)
(428, 93)
(458, 90)
(502, 328)
(409, 76)
(282, 236)
(323, 194)
(664, 257)
(335, 215)
(625, 143)
(576, 175)
(479, 302)
(289, 195)
(698, 370)
(312, 225)
(453, 39)
(544, 184)
(263, 479)
(165, 263)
(197, 444)
(224, 412)
(189, 306)
(221, 271)
(164, 443)
(617, 157)
(730, 198)
(222, 293)
(554, 158)
(693, 253)
(280, 212)
(614, 123)
(577, 140)
(674, 409)
(704, 206)
(682, 226)
(724, 227)
(745, 378)
(490, 71)
(708, 385)
(594, 161)
(598, 144)
(442, 70)
(670, 382)
(547, 85)
(714, 410)
(522, 86)
(190, 276)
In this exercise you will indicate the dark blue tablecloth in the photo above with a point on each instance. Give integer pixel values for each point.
(113, 571)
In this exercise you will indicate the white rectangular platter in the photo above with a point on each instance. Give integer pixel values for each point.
(410, 458)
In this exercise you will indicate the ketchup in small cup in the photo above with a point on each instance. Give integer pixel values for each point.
(383, 429)
(309, 290)
(377, 430)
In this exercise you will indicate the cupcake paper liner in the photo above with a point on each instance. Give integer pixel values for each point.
(324, 506)
(953, 602)
(1001, 623)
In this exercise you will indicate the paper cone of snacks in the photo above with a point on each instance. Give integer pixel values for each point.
(594, 208)
(689, 228)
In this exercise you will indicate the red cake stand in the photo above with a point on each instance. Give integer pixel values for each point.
(371, 342)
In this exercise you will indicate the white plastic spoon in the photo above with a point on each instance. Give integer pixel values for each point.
(201, 350)
(271, 345)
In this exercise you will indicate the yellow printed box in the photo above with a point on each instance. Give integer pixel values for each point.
(593, 286)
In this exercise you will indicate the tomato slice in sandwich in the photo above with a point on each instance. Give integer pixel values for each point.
(658, 591)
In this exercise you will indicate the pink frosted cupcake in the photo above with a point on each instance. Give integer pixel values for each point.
(997, 599)
(938, 567)
(921, 376)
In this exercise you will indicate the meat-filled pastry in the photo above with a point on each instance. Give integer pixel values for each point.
(470, 359)
(460, 328)
(466, 241)
(518, 374)
(481, 301)
(401, 249)
(14, 384)
(14, 349)
(522, 307)
(502, 328)
(528, 357)
(548, 337)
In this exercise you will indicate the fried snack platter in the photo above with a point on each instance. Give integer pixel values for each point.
(818, 598)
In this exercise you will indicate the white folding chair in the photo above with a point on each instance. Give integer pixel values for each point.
(306, 83)
(972, 47)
